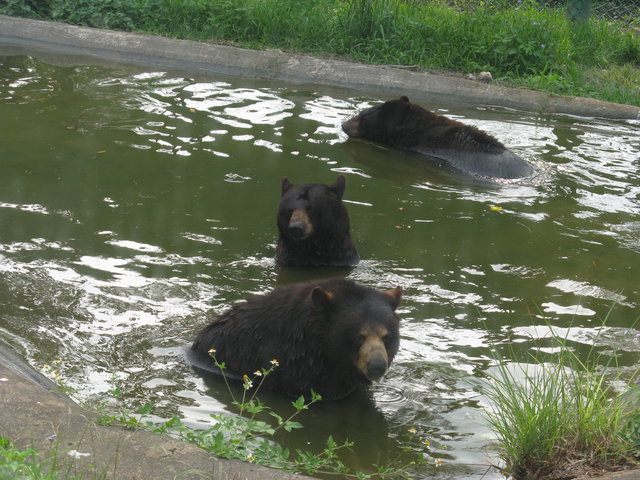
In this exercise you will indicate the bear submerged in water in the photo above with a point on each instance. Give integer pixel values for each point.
(328, 336)
(405, 125)
(313, 226)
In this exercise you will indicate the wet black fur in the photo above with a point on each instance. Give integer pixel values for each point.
(315, 341)
(331, 243)
(402, 124)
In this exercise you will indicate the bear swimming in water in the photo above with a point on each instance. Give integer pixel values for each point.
(405, 125)
(313, 226)
(329, 336)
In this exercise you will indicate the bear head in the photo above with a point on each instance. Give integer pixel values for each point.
(386, 122)
(363, 330)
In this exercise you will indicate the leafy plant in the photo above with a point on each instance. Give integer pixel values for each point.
(115, 14)
(555, 414)
(29, 464)
(25, 8)
(249, 435)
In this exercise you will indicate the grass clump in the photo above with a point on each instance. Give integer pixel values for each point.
(29, 464)
(526, 43)
(20, 463)
(558, 416)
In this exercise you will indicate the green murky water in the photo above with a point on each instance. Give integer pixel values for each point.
(134, 203)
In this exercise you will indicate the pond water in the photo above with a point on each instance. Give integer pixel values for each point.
(137, 203)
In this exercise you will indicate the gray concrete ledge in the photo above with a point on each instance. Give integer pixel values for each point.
(276, 65)
(36, 414)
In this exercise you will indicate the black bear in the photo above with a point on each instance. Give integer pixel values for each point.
(313, 226)
(329, 336)
(402, 124)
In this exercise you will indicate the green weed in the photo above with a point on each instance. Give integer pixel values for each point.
(29, 464)
(249, 435)
(556, 414)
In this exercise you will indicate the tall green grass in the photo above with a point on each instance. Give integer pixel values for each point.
(557, 414)
(521, 43)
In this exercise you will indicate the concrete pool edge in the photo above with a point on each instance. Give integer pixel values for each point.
(45, 419)
(276, 65)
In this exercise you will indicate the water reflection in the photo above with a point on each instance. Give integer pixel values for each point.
(137, 204)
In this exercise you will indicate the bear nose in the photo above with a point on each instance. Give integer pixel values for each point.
(296, 229)
(350, 127)
(376, 368)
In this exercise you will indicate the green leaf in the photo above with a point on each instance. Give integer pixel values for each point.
(276, 416)
(299, 403)
(146, 408)
(290, 425)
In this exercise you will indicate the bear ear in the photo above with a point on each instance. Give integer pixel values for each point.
(322, 299)
(286, 185)
(394, 295)
(339, 186)
(404, 98)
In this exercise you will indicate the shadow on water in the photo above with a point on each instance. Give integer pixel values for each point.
(356, 419)
(286, 275)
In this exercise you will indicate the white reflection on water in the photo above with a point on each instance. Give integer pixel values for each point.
(34, 244)
(550, 307)
(140, 247)
(231, 105)
(584, 289)
(261, 111)
(198, 237)
(618, 339)
(328, 111)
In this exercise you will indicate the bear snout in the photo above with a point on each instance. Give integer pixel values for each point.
(376, 368)
(373, 359)
(296, 230)
(300, 226)
(351, 126)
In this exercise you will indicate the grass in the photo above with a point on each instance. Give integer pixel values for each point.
(29, 464)
(557, 416)
(521, 44)
(21, 463)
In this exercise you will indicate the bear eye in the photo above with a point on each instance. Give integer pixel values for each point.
(309, 208)
(358, 340)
